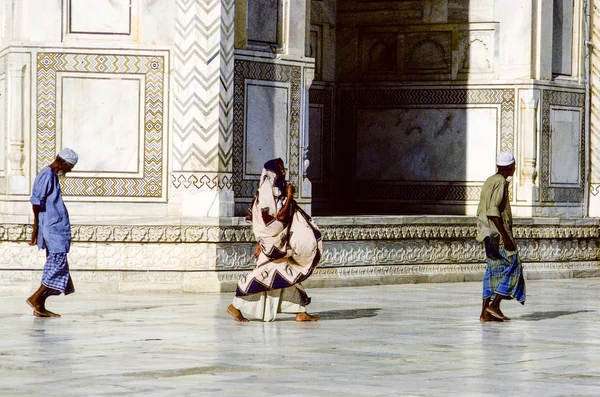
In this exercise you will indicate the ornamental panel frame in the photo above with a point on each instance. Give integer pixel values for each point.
(270, 72)
(457, 192)
(151, 186)
(549, 192)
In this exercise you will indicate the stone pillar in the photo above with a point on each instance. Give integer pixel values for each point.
(543, 20)
(306, 192)
(17, 116)
(527, 191)
(202, 104)
(594, 204)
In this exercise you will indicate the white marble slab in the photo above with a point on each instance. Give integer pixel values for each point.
(565, 147)
(100, 16)
(424, 144)
(407, 340)
(267, 124)
(101, 122)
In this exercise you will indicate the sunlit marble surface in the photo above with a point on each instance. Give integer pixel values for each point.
(397, 340)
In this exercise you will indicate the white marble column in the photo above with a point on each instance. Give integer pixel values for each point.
(306, 192)
(17, 116)
(527, 190)
(543, 18)
(202, 103)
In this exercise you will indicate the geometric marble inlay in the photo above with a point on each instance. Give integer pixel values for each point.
(146, 75)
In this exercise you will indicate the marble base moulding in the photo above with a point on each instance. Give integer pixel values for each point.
(357, 251)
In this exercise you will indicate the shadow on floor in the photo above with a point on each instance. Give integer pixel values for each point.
(350, 314)
(537, 316)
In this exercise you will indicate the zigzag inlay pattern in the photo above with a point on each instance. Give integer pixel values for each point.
(203, 89)
(49, 64)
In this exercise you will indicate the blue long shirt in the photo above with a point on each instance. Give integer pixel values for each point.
(54, 228)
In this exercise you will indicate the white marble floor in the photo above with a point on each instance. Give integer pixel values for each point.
(401, 340)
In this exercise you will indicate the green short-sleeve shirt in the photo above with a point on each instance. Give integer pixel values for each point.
(494, 202)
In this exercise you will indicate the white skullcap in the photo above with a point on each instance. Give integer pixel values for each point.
(505, 158)
(68, 155)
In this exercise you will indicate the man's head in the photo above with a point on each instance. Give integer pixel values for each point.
(506, 163)
(281, 170)
(65, 161)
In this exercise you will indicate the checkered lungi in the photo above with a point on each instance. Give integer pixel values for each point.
(503, 275)
(56, 273)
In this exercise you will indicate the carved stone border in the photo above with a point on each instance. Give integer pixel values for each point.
(475, 270)
(243, 233)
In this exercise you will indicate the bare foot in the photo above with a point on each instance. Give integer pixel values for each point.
(39, 314)
(496, 313)
(236, 314)
(303, 316)
(38, 310)
(48, 313)
(488, 317)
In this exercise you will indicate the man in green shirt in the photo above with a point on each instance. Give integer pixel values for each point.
(504, 273)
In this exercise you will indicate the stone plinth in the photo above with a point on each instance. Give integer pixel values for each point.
(202, 255)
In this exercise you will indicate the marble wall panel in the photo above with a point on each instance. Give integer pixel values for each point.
(426, 53)
(320, 148)
(394, 130)
(148, 112)
(562, 37)
(477, 51)
(315, 49)
(565, 108)
(379, 54)
(268, 75)
(425, 144)
(113, 113)
(315, 116)
(3, 19)
(264, 19)
(357, 12)
(461, 11)
(3, 125)
(267, 123)
(594, 100)
(100, 16)
(565, 147)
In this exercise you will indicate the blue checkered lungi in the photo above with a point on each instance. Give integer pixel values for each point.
(503, 274)
(56, 273)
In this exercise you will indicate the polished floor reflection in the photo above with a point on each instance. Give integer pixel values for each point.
(402, 340)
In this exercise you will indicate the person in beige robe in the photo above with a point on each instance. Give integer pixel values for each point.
(289, 249)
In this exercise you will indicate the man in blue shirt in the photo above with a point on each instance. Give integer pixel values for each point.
(52, 231)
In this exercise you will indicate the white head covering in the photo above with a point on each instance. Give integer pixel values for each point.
(68, 155)
(505, 158)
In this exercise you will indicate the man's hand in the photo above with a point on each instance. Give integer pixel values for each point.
(34, 234)
(290, 189)
(257, 251)
(509, 245)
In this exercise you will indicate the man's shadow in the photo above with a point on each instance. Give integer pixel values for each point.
(537, 316)
(350, 314)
